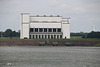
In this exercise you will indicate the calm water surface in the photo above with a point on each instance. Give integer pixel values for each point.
(50, 56)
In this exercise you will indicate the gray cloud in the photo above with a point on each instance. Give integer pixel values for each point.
(84, 13)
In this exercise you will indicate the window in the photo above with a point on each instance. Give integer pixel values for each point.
(57, 36)
(39, 36)
(51, 36)
(30, 37)
(45, 29)
(60, 36)
(45, 36)
(59, 29)
(48, 36)
(49, 29)
(36, 36)
(40, 29)
(36, 29)
(54, 29)
(31, 29)
(54, 36)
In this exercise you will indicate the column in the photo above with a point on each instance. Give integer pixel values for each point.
(37, 36)
(34, 36)
(40, 36)
(47, 36)
(38, 29)
(31, 36)
(56, 36)
(53, 36)
(44, 36)
(59, 36)
(33, 29)
(43, 29)
(50, 36)
(56, 30)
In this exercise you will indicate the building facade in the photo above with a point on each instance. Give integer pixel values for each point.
(44, 26)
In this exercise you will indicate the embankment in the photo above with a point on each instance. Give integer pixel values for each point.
(49, 42)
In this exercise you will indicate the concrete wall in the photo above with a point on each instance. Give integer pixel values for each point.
(45, 25)
(25, 19)
(66, 28)
(25, 30)
(28, 22)
(45, 19)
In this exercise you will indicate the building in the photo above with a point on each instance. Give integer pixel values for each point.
(44, 26)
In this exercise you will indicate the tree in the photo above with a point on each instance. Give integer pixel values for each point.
(93, 35)
(78, 34)
(14, 33)
(8, 33)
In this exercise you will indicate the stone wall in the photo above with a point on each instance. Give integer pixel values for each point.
(49, 42)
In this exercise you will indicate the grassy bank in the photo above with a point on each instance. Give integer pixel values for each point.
(50, 39)
(98, 44)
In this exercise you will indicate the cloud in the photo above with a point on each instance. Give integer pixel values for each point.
(81, 11)
(77, 6)
(66, 7)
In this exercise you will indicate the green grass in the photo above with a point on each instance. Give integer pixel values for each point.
(80, 38)
(9, 39)
(84, 39)
(98, 44)
(72, 38)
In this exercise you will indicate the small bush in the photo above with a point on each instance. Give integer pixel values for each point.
(98, 44)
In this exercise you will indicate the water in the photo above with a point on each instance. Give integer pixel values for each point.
(50, 56)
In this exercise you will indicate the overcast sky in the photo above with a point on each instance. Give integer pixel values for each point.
(83, 13)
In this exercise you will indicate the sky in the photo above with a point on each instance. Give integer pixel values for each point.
(83, 13)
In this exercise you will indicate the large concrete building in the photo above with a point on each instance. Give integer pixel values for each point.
(44, 26)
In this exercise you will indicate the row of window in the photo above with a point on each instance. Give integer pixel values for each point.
(45, 36)
(45, 29)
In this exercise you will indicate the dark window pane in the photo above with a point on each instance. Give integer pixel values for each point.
(45, 29)
(57, 36)
(40, 29)
(36, 29)
(30, 37)
(39, 36)
(36, 36)
(49, 29)
(54, 36)
(48, 36)
(60, 36)
(59, 29)
(54, 29)
(45, 36)
(31, 29)
(51, 36)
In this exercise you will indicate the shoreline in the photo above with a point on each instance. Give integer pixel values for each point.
(51, 42)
